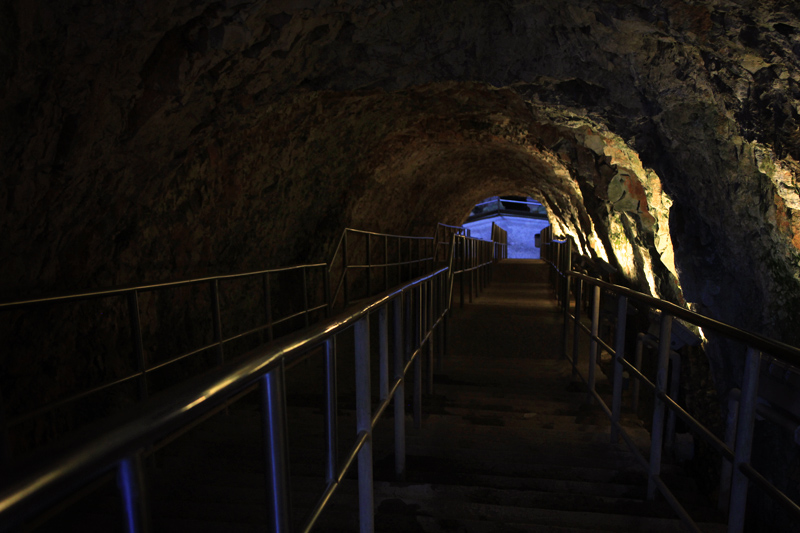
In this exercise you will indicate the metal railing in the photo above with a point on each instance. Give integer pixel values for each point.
(442, 240)
(737, 472)
(472, 260)
(500, 240)
(365, 263)
(417, 311)
(221, 298)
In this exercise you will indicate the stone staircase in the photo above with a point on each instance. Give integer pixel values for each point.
(508, 444)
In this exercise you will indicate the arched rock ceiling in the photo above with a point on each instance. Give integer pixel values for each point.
(159, 139)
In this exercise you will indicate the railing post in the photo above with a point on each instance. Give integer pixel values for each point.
(217, 321)
(576, 331)
(268, 307)
(331, 411)
(416, 347)
(674, 390)
(383, 352)
(657, 433)
(565, 331)
(619, 354)
(637, 362)
(463, 274)
(138, 349)
(386, 262)
(276, 448)
(345, 286)
(364, 424)
(726, 472)
(305, 297)
(593, 341)
(130, 480)
(326, 287)
(369, 265)
(400, 394)
(744, 439)
(428, 329)
(471, 259)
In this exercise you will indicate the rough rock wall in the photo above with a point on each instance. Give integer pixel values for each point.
(154, 140)
(160, 139)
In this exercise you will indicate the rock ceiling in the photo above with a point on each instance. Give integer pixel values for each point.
(161, 139)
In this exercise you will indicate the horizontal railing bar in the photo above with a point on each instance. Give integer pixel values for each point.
(712, 439)
(385, 403)
(333, 485)
(775, 348)
(166, 412)
(374, 234)
(665, 491)
(60, 403)
(383, 265)
(179, 357)
(115, 291)
(50, 407)
(638, 374)
(676, 505)
(682, 414)
(600, 341)
(764, 484)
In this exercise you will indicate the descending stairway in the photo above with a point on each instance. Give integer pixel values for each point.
(508, 444)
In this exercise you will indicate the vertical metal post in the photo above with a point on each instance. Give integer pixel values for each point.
(463, 260)
(326, 285)
(136, 335)
(130, 480)
(305, 297)
(637, 362)
(400, 394)
(472, 262)
(657, 433)
(217, 321)
(565, 329)
(345, 287)
(593, 340)
(418, 362)
(276, 448)
(364, 424)
(386, 262)
(432, 339)
(576, 331)
(268, 307)
(331, 411)
(369, 266)
(383, 351)
(744, 440)
(727, 467)
(619, 354)
(674, 390)
(399, 261)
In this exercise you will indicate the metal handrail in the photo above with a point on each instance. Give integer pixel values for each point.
(143, 366)
(121, 290)
(340, 260)
(121, 447)
(738, 447)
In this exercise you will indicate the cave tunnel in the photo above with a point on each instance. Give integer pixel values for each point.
(160, 140)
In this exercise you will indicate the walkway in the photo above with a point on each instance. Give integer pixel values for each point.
(508, 444)
(513, 445)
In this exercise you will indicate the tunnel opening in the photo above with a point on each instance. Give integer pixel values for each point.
(521, 217)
